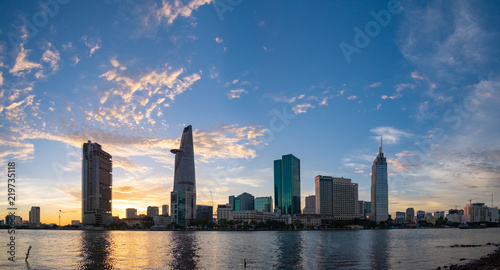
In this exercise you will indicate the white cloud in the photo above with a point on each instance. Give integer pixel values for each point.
(93, 43)
(52, 57)
(23, 65)
(218, 40)
(415, 75)
(75, 59)
(1, 78)
(302, 108)
(375, 84)
(172, 10)
(390, 135)
(352, 97)
(236, 93)
(213, 72)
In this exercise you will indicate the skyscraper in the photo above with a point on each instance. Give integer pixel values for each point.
(324, 196)
(35, 215)
(310, 205)
(336, 198)
(287, 184)
(96, 185)
(242, 202)
(380, 192)
(183, 197)
(164, 210)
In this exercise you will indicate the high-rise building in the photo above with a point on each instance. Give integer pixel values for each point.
(345, 199)
(131, 212)
(164, 210)
(35, 215)
(96, 185)
(287, 184)
(244, 201)
(367, 209)
(153, 211)
(310, 208)
(183, 197)
(379, 190)
(400, 218)
(205, 212)
(410, 215)
(264, 204)
(324, 196)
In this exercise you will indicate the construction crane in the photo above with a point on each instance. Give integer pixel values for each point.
(470, 200)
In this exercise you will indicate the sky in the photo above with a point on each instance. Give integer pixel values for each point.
(322, 80)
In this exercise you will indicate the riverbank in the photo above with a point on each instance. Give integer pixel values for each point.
(488, 262)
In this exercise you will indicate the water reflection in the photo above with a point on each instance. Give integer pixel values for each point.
(379, 249)
(185, 250)
(96, 250)
(289, 248)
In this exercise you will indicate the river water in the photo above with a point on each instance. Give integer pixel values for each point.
(364, 249)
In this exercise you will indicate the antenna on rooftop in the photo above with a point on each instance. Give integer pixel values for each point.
(380, 150)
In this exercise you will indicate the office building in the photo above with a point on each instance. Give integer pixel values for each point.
(34, 215)
(379, 188)
(223, 212)
(205, 213)
(164, 210)
(264, 204)
(96, 185)
(310, 208)
(242, 202)
(75, 223)
(131, 212)
(345, 199)
(476, 212)
(400, 218)
(287, 184)
(410, 215)
(324, 196)
(367, 209)
(152, 211)
(12, 220)
(183, 197)
(420, 215)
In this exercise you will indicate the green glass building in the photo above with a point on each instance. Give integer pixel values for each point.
(287, 184)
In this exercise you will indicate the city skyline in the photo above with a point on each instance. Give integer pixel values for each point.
(322, 80)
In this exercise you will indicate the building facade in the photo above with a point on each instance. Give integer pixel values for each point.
(130, 212)
(324, 196)
(264, 204)
(379, 188)
(242, 202)
(223, 212)
(183, 197)
(410, 215)
(164, 210)
(34, 215)
(96, 185)
(287, 184)
(153, 211)
(345, 199)
(205, 213)
(310, 208)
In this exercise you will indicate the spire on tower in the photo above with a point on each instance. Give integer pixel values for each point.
(380, 150)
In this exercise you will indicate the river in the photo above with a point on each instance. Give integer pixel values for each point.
(364, 249)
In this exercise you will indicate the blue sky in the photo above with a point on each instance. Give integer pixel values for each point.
(256, 80)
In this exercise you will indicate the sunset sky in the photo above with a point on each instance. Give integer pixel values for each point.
(322, 80)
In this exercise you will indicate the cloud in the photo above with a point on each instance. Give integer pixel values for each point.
(375, 84)
(236, 93)
(93, 43)
(52, 57)
(378, 106)
(1, 78)
(218, 40)
(302, 108)
(352, 97)
(75, 59)
(171, 10)
(23, 65)
(390, 135)
(213, 72)
(400, 87)
(415, 75)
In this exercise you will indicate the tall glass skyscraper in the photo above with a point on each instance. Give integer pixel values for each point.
(380, 192)
(183, 197)
(287, 184)
(96, 185)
